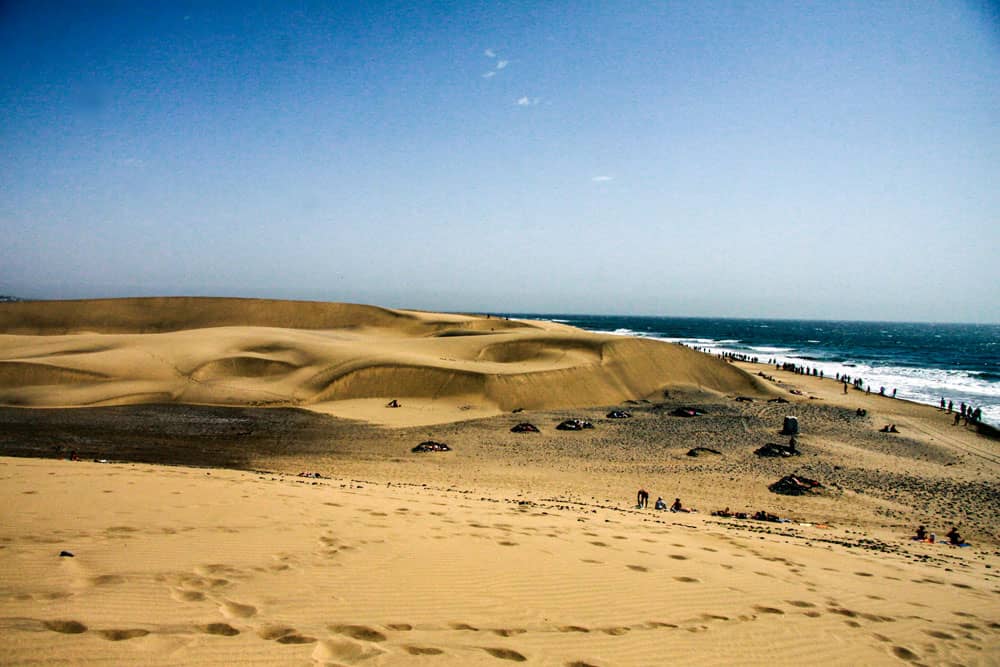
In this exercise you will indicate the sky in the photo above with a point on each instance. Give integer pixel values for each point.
(828, 160)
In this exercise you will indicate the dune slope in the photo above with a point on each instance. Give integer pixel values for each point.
(343, 359)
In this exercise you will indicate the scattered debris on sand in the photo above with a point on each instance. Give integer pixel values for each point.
(525, 427)
(619, 414)
(431, 446)
(574, 425)
(697, 451)
(773, 449)
(793, 485)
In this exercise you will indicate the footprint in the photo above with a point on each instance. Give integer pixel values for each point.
(904, 653)
(343, 651)
(506, 654)
(572, 628)
(122, 635)
(687, 580)
(508, 632)
(359, 632)
(232, 609)
(422, 650)
(937, 634)
(580, 663)
(296, 638)
(678, 557)
(223, 629)
(768, 610)
(66, 627)
(464, 626)
(638, 568)
(617, 631)
(187, 596)
(599, 544)
(107, 580)
(800, 603)
(507, 543)
(274, 632)
(400, 627)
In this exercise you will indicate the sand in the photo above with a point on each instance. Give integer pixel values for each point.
(341, 359)
(511, 547)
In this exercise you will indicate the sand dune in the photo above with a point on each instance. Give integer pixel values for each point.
(342, 359)
(510, 547)
(187, 566)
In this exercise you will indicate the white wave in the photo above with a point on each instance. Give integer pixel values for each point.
(769, 349)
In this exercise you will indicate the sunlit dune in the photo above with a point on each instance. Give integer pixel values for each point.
(342, 359)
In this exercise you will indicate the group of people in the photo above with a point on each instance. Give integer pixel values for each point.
(954, 537)
(642, 502)
(964, 412)
(800, 370)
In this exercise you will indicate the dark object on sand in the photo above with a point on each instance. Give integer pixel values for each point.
(431, 446)
(793, 485)
(744, 399)
(688, 412)
(778, 400)
(619, 414)
(516, 410)
(791, 426)
(861, 412)
(574, 425)
(66, 554)
(524, 427)
(774, 450)
(392, 404)
(702, 450)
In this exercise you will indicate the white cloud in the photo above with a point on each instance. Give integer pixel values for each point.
(489, 75)
(489, 53)
(502, 63)
(602, 179)
(527, 101)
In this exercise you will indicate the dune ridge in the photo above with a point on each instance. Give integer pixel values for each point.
(343, 359)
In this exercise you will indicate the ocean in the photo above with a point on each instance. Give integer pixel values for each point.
(922, 362)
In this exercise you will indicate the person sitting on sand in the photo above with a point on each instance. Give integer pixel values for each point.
(892, 429)
(725, 513)
(660, 504)
(678, 507)
(921, 534)
(954, 538)
(642, 499)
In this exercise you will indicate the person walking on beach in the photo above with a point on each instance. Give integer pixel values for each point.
(643, 499)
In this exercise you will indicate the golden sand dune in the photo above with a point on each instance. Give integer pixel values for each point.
(343, 359)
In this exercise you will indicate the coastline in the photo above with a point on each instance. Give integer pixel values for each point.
(508, 546)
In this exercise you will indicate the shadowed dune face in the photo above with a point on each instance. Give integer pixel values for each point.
(245, 352)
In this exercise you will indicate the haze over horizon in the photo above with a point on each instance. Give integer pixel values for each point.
(824, 161)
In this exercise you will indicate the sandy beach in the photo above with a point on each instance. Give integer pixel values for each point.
(195, 540)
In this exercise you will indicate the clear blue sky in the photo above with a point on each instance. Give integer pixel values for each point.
(820, 160)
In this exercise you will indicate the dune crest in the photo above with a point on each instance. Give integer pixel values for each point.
(343, 359)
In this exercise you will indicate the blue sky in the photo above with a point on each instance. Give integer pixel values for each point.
(825, 160)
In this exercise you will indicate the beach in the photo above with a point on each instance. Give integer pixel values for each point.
(196, 537)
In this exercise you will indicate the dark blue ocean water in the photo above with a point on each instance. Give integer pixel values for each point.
(923, 362)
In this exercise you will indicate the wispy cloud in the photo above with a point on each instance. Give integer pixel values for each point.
(527, 101)
(500, 64)
(602, 179)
